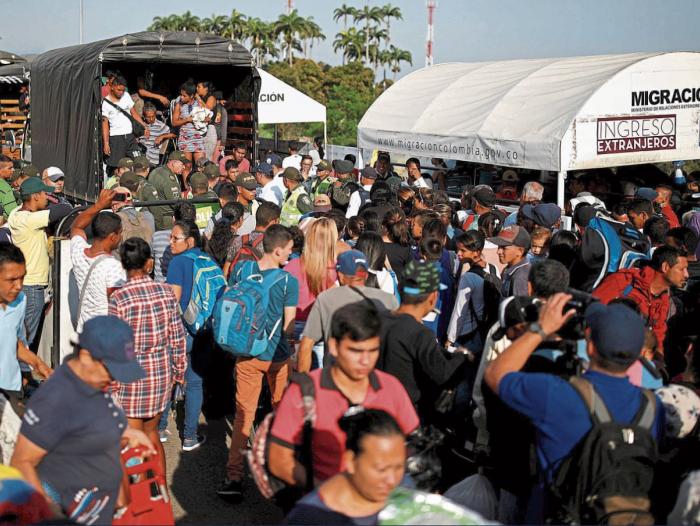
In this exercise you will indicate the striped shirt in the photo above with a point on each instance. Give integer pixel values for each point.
(160, 243)
(156, 129)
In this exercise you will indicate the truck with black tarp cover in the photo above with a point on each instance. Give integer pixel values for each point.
(66, 93)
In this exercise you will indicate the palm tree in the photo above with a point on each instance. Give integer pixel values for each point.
(344, 11)
(262, 41)
(165, 23)
(236, 25)
(290, 27)
(311, 32)
(216, 24)
(189, 22)
(368, 15)
(397, 56)
(388, 12)
(350, 42)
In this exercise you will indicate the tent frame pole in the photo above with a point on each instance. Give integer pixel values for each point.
(325, 136)
(561, 185)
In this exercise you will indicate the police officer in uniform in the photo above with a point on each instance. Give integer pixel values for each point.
(297, 201)
(323, 181)
(166, 183)
(341, 190)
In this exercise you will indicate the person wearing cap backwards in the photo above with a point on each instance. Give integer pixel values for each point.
(352, 269)
(167, 185)
(509, 186)
(269, 191)
(8, 201)
(513, 242)
(344, 185)
(297, 202)
(323, 180)
(614, 339)
(359, 197)
(72, 430)
(125, 164)
(246, 185)
(532, 192)
(409, 350)
(28, 228)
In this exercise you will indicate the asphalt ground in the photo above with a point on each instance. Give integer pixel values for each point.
(194, 476)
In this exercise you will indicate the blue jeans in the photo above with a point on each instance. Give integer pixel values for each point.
(34, 312)
(194, 396)
(317, 349)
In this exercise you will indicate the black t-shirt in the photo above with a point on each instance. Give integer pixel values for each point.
(399, 256)
(410, 353)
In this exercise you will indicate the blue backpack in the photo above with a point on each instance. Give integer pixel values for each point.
(624, 245)
(207, 282)
(240, 319)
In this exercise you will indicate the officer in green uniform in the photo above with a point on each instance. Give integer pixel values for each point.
(323, 180)
(125, 164)
(166, 183)
(297, 202)
(200, 188)
(341, 190)
(7, 195)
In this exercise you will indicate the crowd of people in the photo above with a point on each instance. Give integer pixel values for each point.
(399, 336)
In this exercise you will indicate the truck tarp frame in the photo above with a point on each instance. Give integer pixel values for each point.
(66, 94)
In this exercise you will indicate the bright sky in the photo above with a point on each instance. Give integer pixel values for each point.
(465, 30)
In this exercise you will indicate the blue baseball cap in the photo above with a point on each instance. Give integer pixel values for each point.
(646, 193)
(543, 214)
(263, 168)
(111, 340)
(350, 262)
(274, 160)
(616, 331)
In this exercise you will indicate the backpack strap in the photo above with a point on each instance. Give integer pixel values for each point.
(308, 397)
(647, 411)
(594, 403)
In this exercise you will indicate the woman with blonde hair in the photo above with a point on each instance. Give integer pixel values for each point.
(315, 272)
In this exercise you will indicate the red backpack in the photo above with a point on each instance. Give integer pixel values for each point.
(250, 251)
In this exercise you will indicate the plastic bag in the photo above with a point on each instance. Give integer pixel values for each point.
(475, 493)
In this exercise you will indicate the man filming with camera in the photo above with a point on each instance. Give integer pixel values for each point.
(562, 419)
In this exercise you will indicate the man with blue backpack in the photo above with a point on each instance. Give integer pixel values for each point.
(253, 320)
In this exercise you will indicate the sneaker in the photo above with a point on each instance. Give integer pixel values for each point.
(164, 435)
(230, 488)
(189, 444)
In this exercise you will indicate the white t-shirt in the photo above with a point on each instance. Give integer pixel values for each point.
(422, 182)
(292, 160)
(271, 192)
(108, 274)
(119, 124)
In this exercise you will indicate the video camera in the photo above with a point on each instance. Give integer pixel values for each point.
(574, 329)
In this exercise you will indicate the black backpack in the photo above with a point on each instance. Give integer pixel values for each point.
(492, 298)
(608, 477)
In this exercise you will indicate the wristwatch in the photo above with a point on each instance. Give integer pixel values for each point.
(537, 329)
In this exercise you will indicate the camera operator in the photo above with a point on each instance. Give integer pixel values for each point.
(614, 338)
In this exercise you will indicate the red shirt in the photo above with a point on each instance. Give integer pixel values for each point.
(243, 166)
(328, 440)
(670, 216)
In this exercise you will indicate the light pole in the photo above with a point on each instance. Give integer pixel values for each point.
(82, 23)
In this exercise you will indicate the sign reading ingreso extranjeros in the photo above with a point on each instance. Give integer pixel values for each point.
(636, 134)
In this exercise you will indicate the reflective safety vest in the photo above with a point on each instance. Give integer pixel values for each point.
(291, 215)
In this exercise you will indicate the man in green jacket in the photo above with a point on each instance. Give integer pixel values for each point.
(167, 184)
(7, 195)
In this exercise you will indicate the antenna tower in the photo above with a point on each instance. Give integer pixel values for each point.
(431, 4)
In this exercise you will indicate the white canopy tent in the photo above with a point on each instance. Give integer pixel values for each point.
(547, 114)
(280, 103)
